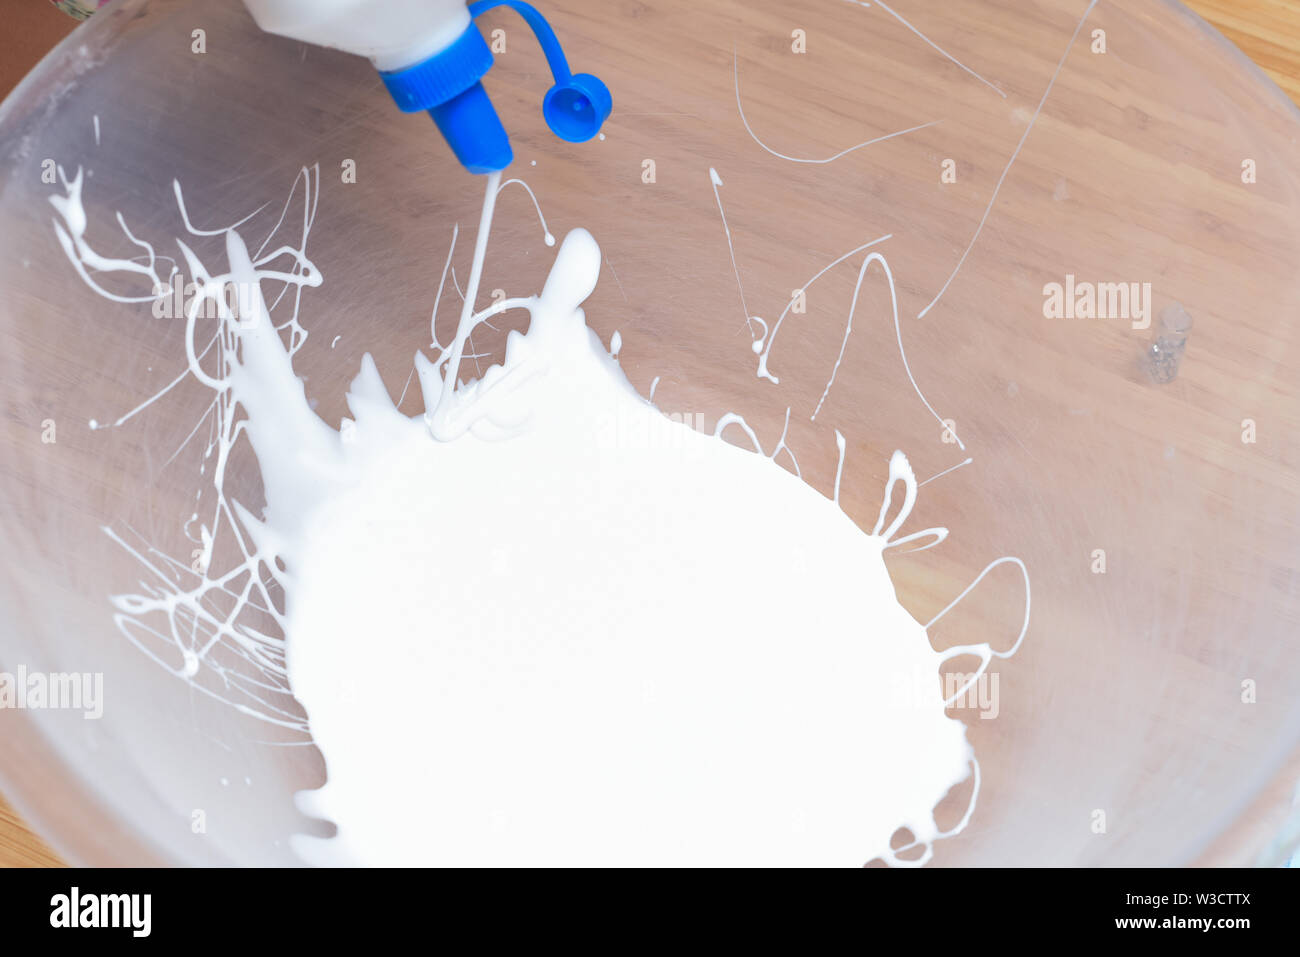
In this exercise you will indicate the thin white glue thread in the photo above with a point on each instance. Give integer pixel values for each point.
(1007, 169)
(768, 341)
(546, 233)
(897, 16)
(735, 69)
(716, 180)
(439, 418)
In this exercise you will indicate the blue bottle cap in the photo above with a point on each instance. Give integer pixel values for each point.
(440, 77)
(575, 109)
(448, 85)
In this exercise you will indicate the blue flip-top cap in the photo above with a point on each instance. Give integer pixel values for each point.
(448, 85)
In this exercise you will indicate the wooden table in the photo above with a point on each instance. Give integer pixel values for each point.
(1266, 30)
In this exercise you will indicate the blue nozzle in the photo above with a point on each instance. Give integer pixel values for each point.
(473, 130)
(449, 86)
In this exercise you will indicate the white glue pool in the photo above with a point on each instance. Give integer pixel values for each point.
(531, 626)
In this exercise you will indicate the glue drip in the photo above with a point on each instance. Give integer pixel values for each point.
(537, 625)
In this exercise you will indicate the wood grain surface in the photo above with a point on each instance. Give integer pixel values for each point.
(1266, 30)
(19, 847)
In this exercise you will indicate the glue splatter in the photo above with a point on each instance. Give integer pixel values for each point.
(548, 590)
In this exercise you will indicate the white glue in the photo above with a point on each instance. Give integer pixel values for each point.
(544, 624)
